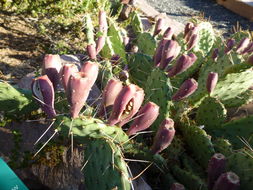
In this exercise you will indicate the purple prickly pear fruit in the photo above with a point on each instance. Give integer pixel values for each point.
(188, 28)
(164, 136)
(248, 49)
(158, 53)
(186, 89)
(211, 81)
(192, 42)
(216, 167)
(90, 69)
(215, 54)
(158, 26)
(250, 60)
(144, 119)
(115, 59)
(100, 43)
(229, 45)
(243, 44)
(227, 181)
(66, 71)
(168, 33)
(78, 89)
(91, 50)
(182, 64)
(126, 105)
(110, 93)
(43, 91)
(193, 31)
(103, 26)
(170, 51)
(51, 67)
(177, 186)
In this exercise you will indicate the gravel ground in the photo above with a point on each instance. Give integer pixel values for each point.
(181, 11)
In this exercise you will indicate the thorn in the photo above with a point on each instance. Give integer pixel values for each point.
(45, 132)
(45, 143)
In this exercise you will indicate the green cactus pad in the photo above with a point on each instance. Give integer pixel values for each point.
(107, 51)
(136, 23)
(15, 102)
(146, 43)
(105, 73)
(105, 168)
(89, 28)
(241, 162)
(199, 143)
(206, 38)
(140, 67)
(114, 42)
(192, 166)
(175, 149)
(223, 146)
(159, 90)
(88, 127)
(211, 113)
(232, 86)
(236, 129)
(190, 181)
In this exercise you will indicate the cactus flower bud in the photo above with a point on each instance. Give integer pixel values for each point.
(243, 44)
(186, 89)
(170, 51)
(188, 28)
(177, 186)
(182, 64)
(146, 116)
(229, 45)
(164, 136)
(227, 181)
(158, 52)
(193, 31)
(216, 167)
(91, 50)
(66, 71)
(78, 89)
(158, 26)
(100, 43)
(134, 49)
(192, 41)
(51, 67)
(215, 54)
(90, 69)
(103, 26)
(211, 81)
(110, 93)
(126, 105)
(43, 91)
(248, 49)
(168, 33)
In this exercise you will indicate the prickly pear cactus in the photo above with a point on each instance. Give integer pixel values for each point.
(140, 67)
(146, 43)
(211, 113)
(105, 168)
(15, 102)
(159, 90)
(88, 127)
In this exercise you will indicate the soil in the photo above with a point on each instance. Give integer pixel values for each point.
(21, 48)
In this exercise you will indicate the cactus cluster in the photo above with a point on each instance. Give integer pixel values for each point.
(182, 87)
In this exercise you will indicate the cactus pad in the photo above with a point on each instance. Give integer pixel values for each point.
(159, 90)
(146, 43)
(211, 113)
(105, 168)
